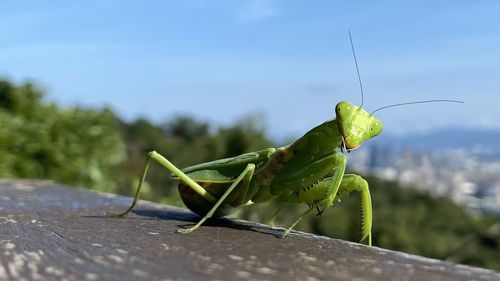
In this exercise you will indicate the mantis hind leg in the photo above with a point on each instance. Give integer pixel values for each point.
(276, 213)
(244, 178)
(350, 183)
(297, 221)
(172, 168)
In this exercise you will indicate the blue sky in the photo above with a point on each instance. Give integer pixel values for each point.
(288, 60)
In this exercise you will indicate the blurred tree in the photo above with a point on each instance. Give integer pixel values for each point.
(186, 128)
(22, 100)
(247, 134)
(39, 140)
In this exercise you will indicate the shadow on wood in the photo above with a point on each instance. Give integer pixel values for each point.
(191, 219)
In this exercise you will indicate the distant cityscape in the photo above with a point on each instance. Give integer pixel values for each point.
(459, 170)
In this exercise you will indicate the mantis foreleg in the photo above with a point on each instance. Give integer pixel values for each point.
(172, 168)
(349, 183)
(244, 177)
(331, 193)
(316, 195)
(352, 182)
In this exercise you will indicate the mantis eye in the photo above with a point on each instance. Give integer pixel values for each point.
(375, 128)
(344, 108)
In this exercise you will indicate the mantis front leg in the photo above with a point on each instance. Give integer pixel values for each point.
(350, 183)
(322, 193)
(333, 188)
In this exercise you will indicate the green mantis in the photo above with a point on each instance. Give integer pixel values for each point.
(309, 171)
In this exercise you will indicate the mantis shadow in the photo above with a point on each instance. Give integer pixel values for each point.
(193, 218)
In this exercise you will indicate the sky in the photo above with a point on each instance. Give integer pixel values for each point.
(289, 61)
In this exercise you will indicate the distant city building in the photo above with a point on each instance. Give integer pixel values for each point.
(459, 174)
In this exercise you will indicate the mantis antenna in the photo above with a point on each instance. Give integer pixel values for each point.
(414, 102)
(388, 106)
(357, 68)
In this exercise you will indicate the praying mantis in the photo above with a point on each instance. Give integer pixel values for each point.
(309, 171)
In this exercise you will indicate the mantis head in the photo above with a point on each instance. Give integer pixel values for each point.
(355, 124)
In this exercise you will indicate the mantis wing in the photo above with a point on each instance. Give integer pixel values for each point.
(227, 169)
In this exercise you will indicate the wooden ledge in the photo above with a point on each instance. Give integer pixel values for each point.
(52, 232)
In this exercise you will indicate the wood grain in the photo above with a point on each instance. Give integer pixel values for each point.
(52, 232)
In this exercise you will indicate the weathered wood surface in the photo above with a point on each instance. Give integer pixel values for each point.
(50, 232)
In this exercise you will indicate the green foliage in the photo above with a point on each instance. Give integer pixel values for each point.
(186, 128)
(94, 149)
(39, 140)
